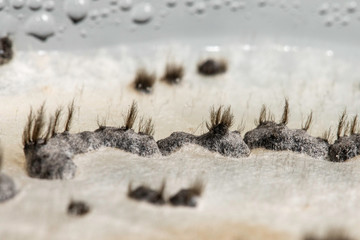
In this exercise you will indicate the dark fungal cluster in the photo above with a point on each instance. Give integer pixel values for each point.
(78, 208)
(277, 136)
(347, 144)
(218, 139)
(6, 50)
(184, 197)
(49, 153)
(7, 185)
(211, 67)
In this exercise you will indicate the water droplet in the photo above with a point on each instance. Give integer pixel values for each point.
(335, 7)
(227, 2)
(76, 9)
(142, 13)
(49, 5)
(345, 20)
(113, 9)
(189, 2)
(41, 26)
(34, 4)
(8, 24)
(200, 7)
(329, 21)
(113, 2)
(17, 4)
(262, 3)
(105, 12)
(2, 4)
(125, 4)
(94, 14)
(329, 53)
(83, 33)
(234, 6)
(324, 8)
(171, 3)
(216, 4)
(21, 16)
(163, 13)
(351, 7)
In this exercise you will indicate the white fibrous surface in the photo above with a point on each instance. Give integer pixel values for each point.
(268, 195)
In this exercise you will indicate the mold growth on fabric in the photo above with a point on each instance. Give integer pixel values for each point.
(188, 197)
(217, 139)
(210, 67)
(174, 73)
(49, 153)
(78, 208)
(277, 136)
(144, 193)
(144, 81)
(6, 50)
(347, 144)
(7, 185)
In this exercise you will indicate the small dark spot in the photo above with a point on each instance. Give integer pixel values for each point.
(187, 197)
(331, 235)
(173, 73)
(144, 193)
(6, 51)
(78, 208)
(144, 81)
(212, 67)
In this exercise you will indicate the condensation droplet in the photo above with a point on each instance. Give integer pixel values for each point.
(8, 24)
(262, 3)
(234, 6)
(2, 4)
(351, 7)
(329, 53)
(76, 10)
(324, 9)
(216, 4)
(41, 26)
(163, 13)
(17, 4)
(21, 16)
(125, 4)
(34, 4)
(113, 2)
(189, 2)
(94, 14)
(105, 12)
(142, 13)
(83, 33)
(113, 9)
(200, 7)
(49, 5)
(345, 20)
(329, 21)
(335, 7)
(171, 3)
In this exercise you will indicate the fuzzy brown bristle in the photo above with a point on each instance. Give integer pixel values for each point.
(101, 123)
(146, 127)
(173, 73)
(198, 187)
(265, 116)
(241, 126)
(308, 122)
(327, 135)
(70, 116)
(144, 81)
(286, 112)
(220, 117)
(131, 116)
(341, 124)
(39, 124)
(26, 137)
(354, 125)
(56, 120)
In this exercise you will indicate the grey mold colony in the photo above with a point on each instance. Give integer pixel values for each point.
(6, 50)
(7, 185)
(144, 81)
(218, 139)
(277, 136)
(345, 147)
(143, 193)
(49, 154)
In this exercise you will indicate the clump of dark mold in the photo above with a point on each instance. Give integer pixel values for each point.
(144, 193)
(144, 81)
(211, 67)
(347, 144)
(277, 136)
(331, 235)
(6, 50)
(7, 185)
(78, 208)
(173, 73)
(217, 139)
(188, 197)
(49, 153)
